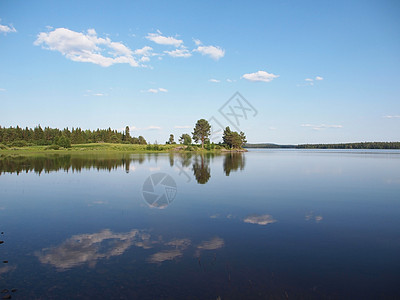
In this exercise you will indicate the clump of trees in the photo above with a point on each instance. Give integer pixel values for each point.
(233, 139)
(171, 140)
(185, 139)
(202, 131)
(14, 136)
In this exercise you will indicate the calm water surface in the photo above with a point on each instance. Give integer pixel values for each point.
(267, 224)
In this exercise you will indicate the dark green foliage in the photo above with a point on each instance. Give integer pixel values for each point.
(185, 139)
(202, 131)
(48, 162)
(201, 169)
(233, 139)
(19, 144)
(49, 136)
(171, 140)
(63, 141)
(141, 140)
(233, 162)
(127, 134)
(2, 147)
(154, 147)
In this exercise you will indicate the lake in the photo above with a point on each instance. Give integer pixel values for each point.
(266, 224)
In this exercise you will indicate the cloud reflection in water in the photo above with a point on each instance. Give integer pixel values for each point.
(259, 219)
(89, 248)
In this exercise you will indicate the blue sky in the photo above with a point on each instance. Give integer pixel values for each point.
(312, 71)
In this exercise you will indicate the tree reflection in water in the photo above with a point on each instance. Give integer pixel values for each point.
(201, 168)
(77, 162)
(233, 162)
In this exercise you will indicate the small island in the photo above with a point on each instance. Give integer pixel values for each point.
(28, 140)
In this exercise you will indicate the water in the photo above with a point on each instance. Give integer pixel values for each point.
(275, 224)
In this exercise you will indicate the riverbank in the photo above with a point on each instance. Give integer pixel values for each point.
(110, 148)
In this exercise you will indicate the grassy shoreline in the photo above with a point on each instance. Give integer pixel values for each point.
(109, 148)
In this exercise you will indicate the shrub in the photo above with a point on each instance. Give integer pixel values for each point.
(3, 147)
(19, 144)
(63, 141)
(154, 147)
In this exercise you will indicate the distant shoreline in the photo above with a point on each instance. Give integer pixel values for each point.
(362, 145)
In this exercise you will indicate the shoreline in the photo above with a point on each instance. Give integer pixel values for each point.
(114, 148)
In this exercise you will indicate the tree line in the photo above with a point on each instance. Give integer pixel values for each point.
(17, 136)
(364, 145)
(21, 137)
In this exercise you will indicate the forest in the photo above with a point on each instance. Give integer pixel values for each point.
(55, 139)
(20, 137)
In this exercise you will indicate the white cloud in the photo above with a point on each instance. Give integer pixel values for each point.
(392, 117)
(82, 47)
(310, 81)
(155, 91)
(152, 127)
(179, 53)
(131, 128)
(321, 126)
(93, 93)
(260, 76)
(214, 80)
(158, 38)
(231, 80)
(272, 128)
(2, 90)
(197, 42)
(182, 126)
(214, 52)
(145, 51)
(7, 29)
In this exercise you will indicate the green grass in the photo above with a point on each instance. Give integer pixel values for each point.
(105, 148)
(99, 148)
